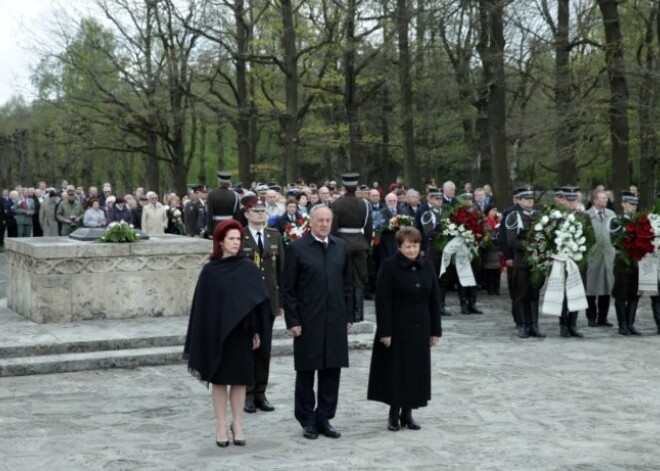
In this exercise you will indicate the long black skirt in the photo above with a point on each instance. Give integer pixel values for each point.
(237, 365)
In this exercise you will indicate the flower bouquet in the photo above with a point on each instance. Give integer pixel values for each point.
(175, 222)
(556, 249)
(638, 243)
(464, 224)
(119, 233)
(637, 237)
(460, 236)
(394, 224)
(556, 233)
(295, 230)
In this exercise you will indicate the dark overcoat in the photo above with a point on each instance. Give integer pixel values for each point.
(318, 296)
(408, 310)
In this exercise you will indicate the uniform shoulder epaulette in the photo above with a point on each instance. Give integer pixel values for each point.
(272, 229)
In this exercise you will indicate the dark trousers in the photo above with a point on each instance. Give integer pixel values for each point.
(2, 233)
(328, 394)
(261, 368)
(598, 307)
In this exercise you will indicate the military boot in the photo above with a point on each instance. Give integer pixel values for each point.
(631, 313)
(358, 304)
(563, 325)
(442, 295)
(592, 311)
(620, 308)
(521, 309)
(534, 330)
(572, 325)
(472, 300)
(463, 298)
(655, 306)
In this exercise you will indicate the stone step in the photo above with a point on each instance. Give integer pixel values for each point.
(111, 343)
(134, 357)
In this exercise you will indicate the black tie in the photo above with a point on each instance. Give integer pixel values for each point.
(600, 215)
(260, 243)
(324, 244)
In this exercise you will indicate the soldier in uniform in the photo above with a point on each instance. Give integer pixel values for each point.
(430, 222)
(222, 204)
(263, 245)
(526, 295)
(352, 222)
(568, 320)
(626, 279)
(507, 253)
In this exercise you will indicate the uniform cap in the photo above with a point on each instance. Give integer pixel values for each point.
(629, 197)
(350, 179)
(224, 177)
(252, 201)
(558, 192)
(570, 193)
(524, 192)
(435, 193)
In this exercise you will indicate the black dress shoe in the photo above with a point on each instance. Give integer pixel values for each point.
(264, 405)
(604, 323)
(250, 407)
(393, 424)
(310, 432)
(328, 430)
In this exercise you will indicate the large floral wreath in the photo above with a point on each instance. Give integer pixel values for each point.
(637, 237)
(558, 233)
(466, 224)
(394, 224)
(295, 230)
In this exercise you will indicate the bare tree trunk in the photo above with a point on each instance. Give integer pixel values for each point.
(152, 163)
(220, 143)
(403, 16)
(350, 91)
(289, 120)
(201, 175)
(618, 112)
(492, 56)
(565, 140)
(648, 98)
(242, 99)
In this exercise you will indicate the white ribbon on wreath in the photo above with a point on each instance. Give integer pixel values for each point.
(564, 281)
(461, 253)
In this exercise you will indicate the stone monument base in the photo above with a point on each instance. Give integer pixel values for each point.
(57, 279)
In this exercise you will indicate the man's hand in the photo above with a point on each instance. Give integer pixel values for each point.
(387, 341)
(256, 342)
(296, 331)
(509, 263)
(348, 327)
(280, 312)
(435, 341)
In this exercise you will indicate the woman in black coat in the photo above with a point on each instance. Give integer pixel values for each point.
(408, 325)
(228, 319)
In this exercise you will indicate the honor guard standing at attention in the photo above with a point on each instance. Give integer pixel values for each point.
(568, 320)
(262, 245)
(626, 276)
(222, 204)
(430, 222)
(352, 222)
(526, 295)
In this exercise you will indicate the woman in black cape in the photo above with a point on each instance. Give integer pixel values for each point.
(229, 313)
(408, 325)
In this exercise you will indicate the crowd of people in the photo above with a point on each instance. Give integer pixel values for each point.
(352, 249)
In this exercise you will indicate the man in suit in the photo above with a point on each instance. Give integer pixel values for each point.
(318, 311)
(352, 222)
(449, 194)
(387, 246)
(290, 215)
(262, 245)
(222, 204)
(600, 261)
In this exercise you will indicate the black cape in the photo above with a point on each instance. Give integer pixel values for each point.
(227, 291)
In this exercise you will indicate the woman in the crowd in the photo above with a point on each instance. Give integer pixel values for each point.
(94, 216)
(119, 211)
(303, 203)
(491, 265)
(228, 319)
(408, 325)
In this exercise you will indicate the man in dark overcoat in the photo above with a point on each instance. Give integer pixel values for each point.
(191, 212)
(223, 203)
(263, 245)
(352, 222)
(318, 296)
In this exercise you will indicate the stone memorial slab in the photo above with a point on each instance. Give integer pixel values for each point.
(58, 279)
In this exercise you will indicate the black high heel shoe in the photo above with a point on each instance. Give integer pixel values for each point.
(236, 441)
(408, 421)
(223, 444)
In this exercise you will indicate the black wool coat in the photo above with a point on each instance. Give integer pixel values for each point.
(408, 310)
(318, 296)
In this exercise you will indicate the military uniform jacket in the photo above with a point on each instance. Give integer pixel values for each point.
(518, 223)
(221, 205)
(430, 222)
(270, 263)
(352, 222)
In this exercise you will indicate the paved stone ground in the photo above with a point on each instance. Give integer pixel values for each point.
(499, 403)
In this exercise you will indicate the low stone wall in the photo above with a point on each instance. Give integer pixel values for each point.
(57, 279)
